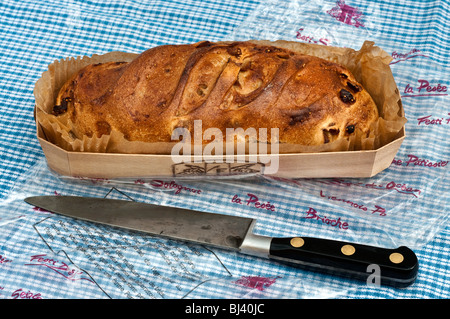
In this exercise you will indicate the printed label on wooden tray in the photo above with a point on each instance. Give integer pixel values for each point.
(217, 169)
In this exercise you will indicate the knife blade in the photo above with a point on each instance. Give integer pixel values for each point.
(396, 267)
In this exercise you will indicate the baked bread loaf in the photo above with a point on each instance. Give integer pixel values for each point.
(226, 85)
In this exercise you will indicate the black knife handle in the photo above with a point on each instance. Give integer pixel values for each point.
(395, 267)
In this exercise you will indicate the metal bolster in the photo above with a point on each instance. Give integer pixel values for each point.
(255, 245)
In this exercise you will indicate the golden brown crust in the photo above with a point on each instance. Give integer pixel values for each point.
(226, 85)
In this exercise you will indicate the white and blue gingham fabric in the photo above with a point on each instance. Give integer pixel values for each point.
(46, 256)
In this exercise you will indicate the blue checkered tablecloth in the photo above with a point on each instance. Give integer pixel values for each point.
(46, 256)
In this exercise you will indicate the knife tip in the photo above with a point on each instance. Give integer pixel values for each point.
(33, 200)
(29, 200)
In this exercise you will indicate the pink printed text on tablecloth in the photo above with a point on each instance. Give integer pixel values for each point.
(347, 14)
(4, 260)
(414, 160)
(314, 215)
(398, 186)
(400, 57)
(253, 201)
(172, 185)
(430, 120)
(21, 294)
(58, 266)
(311, 39)
(256, 282)
(374, 210)
(425, 88)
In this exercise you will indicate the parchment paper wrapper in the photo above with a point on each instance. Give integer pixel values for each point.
(370, 66)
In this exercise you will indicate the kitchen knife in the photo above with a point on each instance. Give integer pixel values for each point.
(395, 267)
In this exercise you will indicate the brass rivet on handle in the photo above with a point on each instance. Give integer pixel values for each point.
(348, 250)
(396, 258)
(297, 242)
